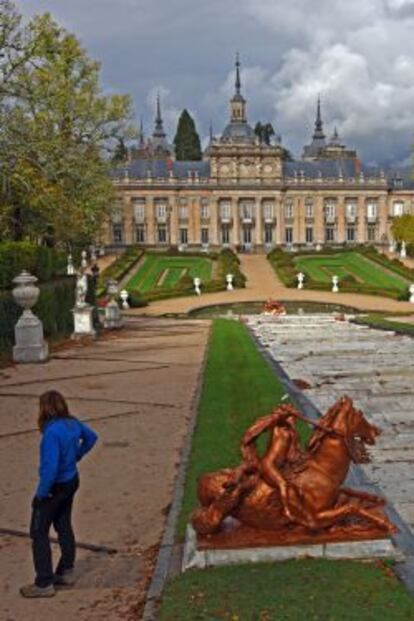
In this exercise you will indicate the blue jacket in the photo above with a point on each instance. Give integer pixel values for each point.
(64, 442)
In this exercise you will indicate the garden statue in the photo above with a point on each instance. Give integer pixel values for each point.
(229, 281)
(335, 282)
(273, 307)
(113, 319)
(290, 489)
(124, 295)
(84, 259)
(70, 270)
(411, 290)
(403, 251)
(301, 278)
(197, 283)
(93, 254)
(81, 289)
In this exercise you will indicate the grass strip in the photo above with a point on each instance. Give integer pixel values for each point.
(379, 322)
(238, 386)
(304, 590)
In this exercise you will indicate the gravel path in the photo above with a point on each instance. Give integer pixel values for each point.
(136, 389)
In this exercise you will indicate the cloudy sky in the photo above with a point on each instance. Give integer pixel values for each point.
(358, 54)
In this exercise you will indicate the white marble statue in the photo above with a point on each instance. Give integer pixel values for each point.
(81, 289)
(197, 283)
(301, 278)
(335, 282)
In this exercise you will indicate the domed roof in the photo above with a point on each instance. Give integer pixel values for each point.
(238, 132)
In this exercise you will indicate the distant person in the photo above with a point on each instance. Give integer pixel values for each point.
(65, 440)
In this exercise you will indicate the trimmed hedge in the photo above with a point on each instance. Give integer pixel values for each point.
(379, 322)
(41, 261)
(119, 268)
(227, 263)
(54, 308)
(284, 265)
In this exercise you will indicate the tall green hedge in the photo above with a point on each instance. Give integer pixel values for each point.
(45, 263)
(54, 308)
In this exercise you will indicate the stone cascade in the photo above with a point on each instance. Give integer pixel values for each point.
(375, 368)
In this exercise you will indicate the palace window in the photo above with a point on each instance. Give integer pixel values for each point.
(350, 234)
(225, 235)
(309, 235)
(140, 234)
(246, 209)
(330, 209)
(162, 234)
(184, 237)
(398, 209)
(204, 236)
(117, 233)
(225, 210)
(372, 210)
(268, 234)
(204, 209)
(289, 209)
(183, 212)
(371, 233)
(309, 208)
(351, 210)
(329, 234)
(268, 210)
(161, 210)
(289, 235)
(139, 209)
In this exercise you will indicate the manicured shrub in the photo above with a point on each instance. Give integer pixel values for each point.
(119, 268)
(41, 261)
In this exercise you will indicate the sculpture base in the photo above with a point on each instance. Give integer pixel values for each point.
(236, 543)
(83, 321)
(30, 345)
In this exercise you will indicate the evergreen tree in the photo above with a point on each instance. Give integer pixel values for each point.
(120, 155)
(187, 141)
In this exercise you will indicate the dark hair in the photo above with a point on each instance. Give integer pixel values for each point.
(51, 405)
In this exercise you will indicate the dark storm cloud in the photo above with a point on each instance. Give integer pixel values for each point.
(359, 55)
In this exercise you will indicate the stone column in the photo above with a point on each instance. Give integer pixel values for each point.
(235, 212)
(341, 219)
(361, 220)
(214, 222)
(382, 217)
(150, 217)
(173, 206)
(195, 219)
(319, 220)
(258, 211)
(279, 221)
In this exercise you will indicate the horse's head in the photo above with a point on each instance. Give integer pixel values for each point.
(356, 430)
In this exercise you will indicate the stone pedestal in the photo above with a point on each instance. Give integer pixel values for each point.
(113, 319)
(83, 321)
(30, 345)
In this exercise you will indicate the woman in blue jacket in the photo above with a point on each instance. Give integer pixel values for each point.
(65, 440)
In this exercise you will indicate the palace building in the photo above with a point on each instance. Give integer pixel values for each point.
(247, 195)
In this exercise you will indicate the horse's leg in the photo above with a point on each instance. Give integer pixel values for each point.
(352, 493)
(328, 518)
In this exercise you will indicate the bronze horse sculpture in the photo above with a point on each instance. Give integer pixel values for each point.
(289, 486)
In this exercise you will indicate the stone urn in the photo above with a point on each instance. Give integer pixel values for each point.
(30, 345)
(301, 278)
(124, 295)
(229, 281)
(411, 290)
(26, 293)
(335, 283)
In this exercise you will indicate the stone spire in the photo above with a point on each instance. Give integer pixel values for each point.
(237, 102)
(318, 134)
(159, 125)
(238, 80)
(141, 134)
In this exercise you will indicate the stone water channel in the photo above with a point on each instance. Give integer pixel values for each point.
(375, 368)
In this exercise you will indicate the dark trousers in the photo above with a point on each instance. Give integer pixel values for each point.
(56, 509)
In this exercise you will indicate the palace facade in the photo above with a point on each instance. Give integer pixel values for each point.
(246, 194)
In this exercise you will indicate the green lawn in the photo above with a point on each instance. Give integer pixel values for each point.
(239, 386)
(161, 271)
(321, 268)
